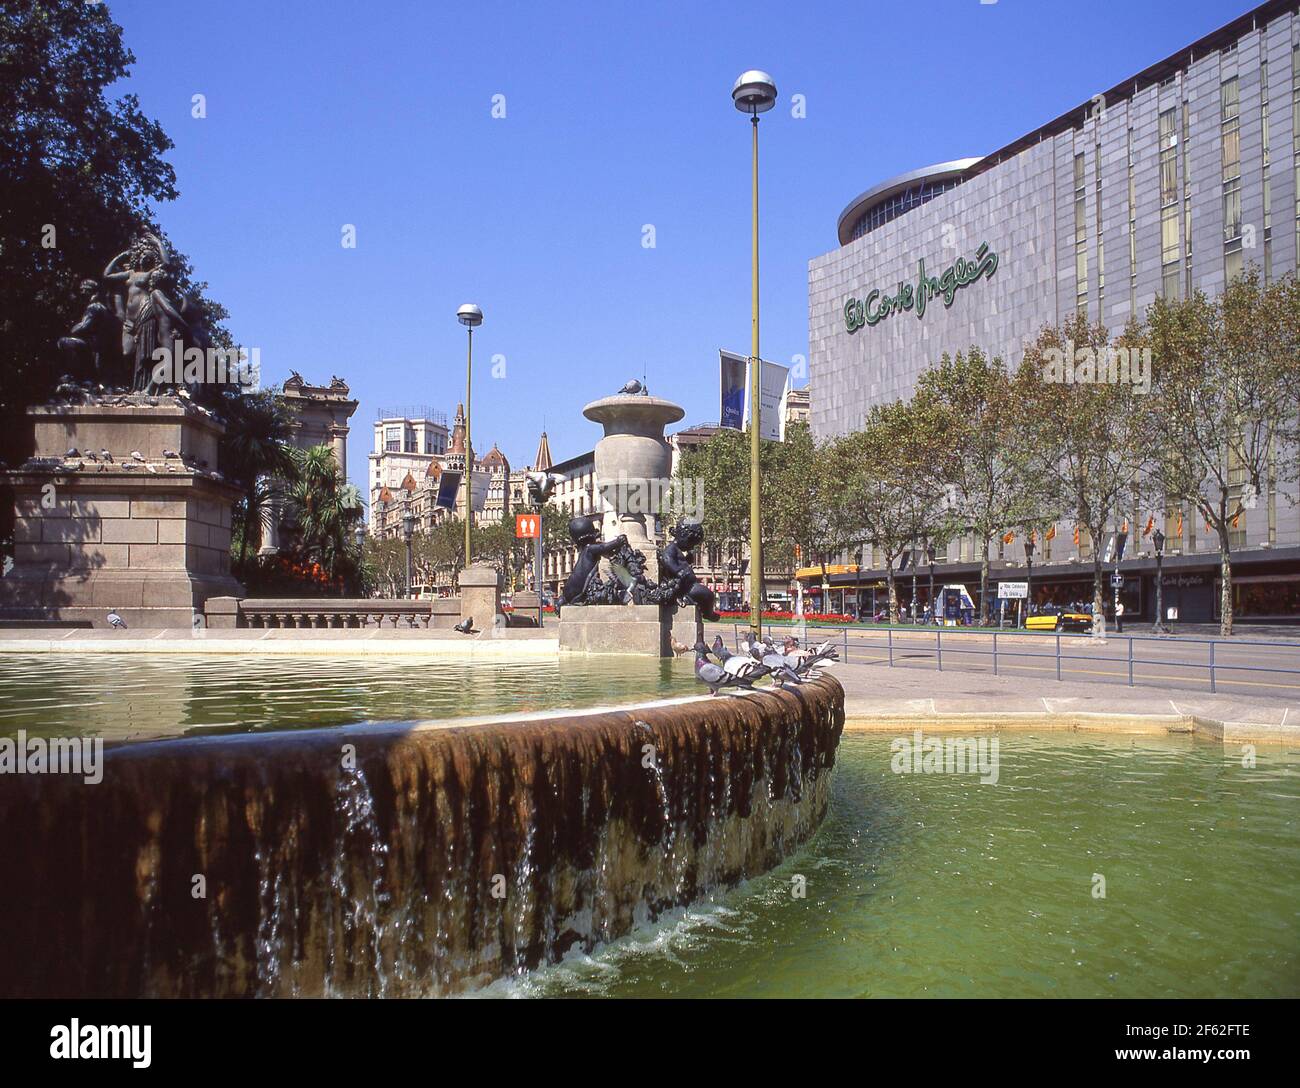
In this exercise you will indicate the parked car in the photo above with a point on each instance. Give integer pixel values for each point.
(1060, 619)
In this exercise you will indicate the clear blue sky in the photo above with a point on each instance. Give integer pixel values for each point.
(617, 115)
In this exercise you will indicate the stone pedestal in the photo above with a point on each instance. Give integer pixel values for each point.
(148, 538)
(528, 605)
(480, 596)
(648, 629)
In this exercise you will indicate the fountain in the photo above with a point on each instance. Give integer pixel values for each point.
(632, 612)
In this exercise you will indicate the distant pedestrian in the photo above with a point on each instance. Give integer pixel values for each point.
(1119, 617)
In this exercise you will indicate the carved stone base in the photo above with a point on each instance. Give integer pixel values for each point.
(647, 629)
(150, 542)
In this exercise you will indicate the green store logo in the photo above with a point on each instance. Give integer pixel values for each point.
(878, 306)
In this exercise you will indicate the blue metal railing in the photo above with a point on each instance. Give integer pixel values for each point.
(1213, 666)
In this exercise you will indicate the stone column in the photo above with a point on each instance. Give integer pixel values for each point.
(480, 596)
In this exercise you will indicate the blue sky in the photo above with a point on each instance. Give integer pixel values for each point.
(617, 115)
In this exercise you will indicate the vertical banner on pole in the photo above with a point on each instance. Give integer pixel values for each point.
(773, 378)
(732, 382)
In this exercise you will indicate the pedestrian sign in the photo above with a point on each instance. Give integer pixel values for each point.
(528, 526)
(1117, 580)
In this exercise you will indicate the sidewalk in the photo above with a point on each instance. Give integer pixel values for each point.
(884, 699)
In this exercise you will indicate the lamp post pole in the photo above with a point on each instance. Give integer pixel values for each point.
(408, 533)
(1158, 539)
(754, 93)
(1029, 577)
(471, 317)
(912, 561)
(929, 554)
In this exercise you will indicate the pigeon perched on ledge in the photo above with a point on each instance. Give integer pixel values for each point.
(115, 621)
(633, 388)
(466, 626)
(715, 676)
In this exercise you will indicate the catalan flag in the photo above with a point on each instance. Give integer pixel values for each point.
(1151, 524)
(1076, 534)
(1008, 537)
(1051, 532)
(1178, 531)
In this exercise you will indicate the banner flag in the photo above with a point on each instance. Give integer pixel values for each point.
(732, 373)
(448, 489)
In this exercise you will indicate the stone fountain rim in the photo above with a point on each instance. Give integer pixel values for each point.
(606, 408)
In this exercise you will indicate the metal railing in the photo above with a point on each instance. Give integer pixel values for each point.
(931, 643)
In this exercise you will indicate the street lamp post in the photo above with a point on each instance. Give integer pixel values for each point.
(408, 534)
(754, 93)
(471, 317)
(1029, 576)
(929, 554)
(912, 560)
(1158, 539)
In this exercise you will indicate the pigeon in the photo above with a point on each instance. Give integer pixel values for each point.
(466, 626)
(115, 621)
(90, 456)
(740, 665)
(106, 456)
(633, 387)
(170, 453)
(804, 661)
(74, 452)
(136, 455)
(541, 484)
(715, 676)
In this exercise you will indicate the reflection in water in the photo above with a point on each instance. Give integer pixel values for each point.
(937, 886)
(136, 696)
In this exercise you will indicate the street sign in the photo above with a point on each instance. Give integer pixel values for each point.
(1117, 580)
(1013, 591)
(527, 526)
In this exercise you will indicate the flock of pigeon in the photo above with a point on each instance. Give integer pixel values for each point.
(755, 660)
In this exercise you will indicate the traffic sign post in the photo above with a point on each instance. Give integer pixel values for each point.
(529, 527)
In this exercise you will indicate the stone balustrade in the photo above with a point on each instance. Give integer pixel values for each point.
(331, 612)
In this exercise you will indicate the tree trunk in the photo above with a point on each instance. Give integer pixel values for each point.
(1225, 601)
(984, 583)
(889, 580)
(1098, 594)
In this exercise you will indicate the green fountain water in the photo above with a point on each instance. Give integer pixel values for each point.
(938, 886)
(139, 697)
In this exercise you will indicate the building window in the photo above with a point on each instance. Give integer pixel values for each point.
(1132, 230)
(1080, 236)
(1230, 132)
(392, 439)
(1268, 196)
(1170, 252)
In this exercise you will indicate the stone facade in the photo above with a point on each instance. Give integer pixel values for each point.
(1021, 201)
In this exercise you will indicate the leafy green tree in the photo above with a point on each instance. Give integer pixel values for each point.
(886, 491)
(78, 171)
(1226, 373)
(256, 457)
(324, 510)
(1087, 440)
(985, 469)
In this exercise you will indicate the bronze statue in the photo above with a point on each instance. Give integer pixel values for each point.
(676, 570)
(584, 584)
(93, 346)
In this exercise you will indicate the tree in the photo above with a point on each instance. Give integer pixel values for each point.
(324, 510)
(77, 173)
(1225, 383)
(886, 491)
(1086, 438)
(256, 456)
(985, 469)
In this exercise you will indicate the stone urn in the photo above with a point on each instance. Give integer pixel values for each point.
(633, 465)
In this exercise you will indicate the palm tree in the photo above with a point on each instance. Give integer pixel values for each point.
(255, 451)
(325, 510)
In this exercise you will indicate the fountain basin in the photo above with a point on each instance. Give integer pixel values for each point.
(399, 860)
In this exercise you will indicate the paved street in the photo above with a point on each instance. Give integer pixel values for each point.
(1245, 665)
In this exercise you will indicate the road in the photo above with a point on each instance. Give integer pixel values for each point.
(1269, 667)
